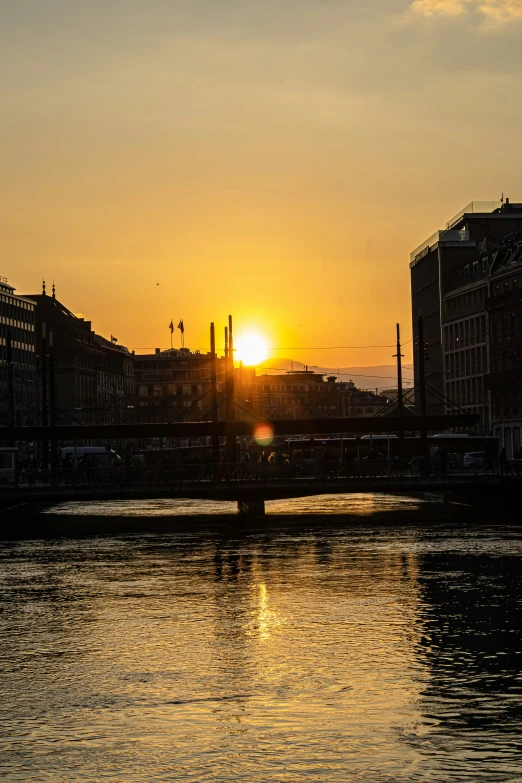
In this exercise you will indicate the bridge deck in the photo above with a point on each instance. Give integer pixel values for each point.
(249, 490)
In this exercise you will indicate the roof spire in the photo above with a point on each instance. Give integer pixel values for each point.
(43, 286)
(54, 290)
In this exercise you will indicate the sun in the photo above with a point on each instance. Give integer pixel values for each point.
(251, 348)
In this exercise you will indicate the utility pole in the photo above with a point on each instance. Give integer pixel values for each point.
(422, 386)
(213, 397)
(231, 405)
(400, 406)
(399, 356)
(227, 377)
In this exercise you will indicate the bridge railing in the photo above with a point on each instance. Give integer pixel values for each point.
(341, 472)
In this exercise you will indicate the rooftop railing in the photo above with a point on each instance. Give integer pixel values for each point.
(483, 207)
(439, 236)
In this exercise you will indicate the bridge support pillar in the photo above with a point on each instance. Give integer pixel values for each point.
(254, 509)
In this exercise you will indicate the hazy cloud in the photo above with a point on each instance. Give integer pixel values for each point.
(497, 10)
(440, 7)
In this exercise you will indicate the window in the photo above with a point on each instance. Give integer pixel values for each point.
(187, 389)
(142, 391)
(157, 390)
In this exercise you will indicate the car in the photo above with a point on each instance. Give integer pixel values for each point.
(473, 459)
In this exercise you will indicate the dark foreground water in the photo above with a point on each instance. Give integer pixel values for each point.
(368, 653)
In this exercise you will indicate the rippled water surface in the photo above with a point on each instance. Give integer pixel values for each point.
(357, 654)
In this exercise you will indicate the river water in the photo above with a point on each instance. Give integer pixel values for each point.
(355, 652)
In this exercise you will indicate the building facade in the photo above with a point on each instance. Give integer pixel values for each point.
(465, 323)
(433, 269)
(175, 384)
(115, 394)
(17, 347)
(306, 394)
(505, 343)
(296, 395)
(90, 379)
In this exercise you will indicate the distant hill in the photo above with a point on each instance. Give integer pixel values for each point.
(379, 376)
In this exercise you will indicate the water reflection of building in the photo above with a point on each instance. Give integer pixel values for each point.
(470, 648)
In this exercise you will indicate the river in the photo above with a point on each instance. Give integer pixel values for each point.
(319, 652)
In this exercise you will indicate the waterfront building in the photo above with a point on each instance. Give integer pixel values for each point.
(175, 384)
(504, 305)
(305, 394)
(433, 267)
(302, 394)
(17, 327)
(115, 394)
(466, 341)
(92, 378)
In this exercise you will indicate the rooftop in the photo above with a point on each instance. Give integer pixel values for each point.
(451, 233)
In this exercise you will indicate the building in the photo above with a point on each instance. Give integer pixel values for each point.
(92, 379)
(17, 347)
(305, 394)
(355, 403)
(504, 306)
(433, 269)
(466, 341)
(302, 394)
(115, 394)
(175, 384)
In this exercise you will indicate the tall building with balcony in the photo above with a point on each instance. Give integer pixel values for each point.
(433, 267)
(505, 342)
(466, 341)
(17, 328)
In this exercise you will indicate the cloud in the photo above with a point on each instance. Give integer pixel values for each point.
(439, 7)
(496, 10)
(501, 10)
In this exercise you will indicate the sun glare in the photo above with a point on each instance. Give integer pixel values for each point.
(250, 348)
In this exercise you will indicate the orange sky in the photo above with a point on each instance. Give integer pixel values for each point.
(277, 161)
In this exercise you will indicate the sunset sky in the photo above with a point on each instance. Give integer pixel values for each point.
(274, 159)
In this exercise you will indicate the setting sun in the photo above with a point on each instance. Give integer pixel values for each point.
(251, 348)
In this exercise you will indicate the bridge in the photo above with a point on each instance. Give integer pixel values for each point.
(249, 484)
(232, 429)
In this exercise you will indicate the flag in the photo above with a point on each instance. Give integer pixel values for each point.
(181, 327)
(171, 326)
